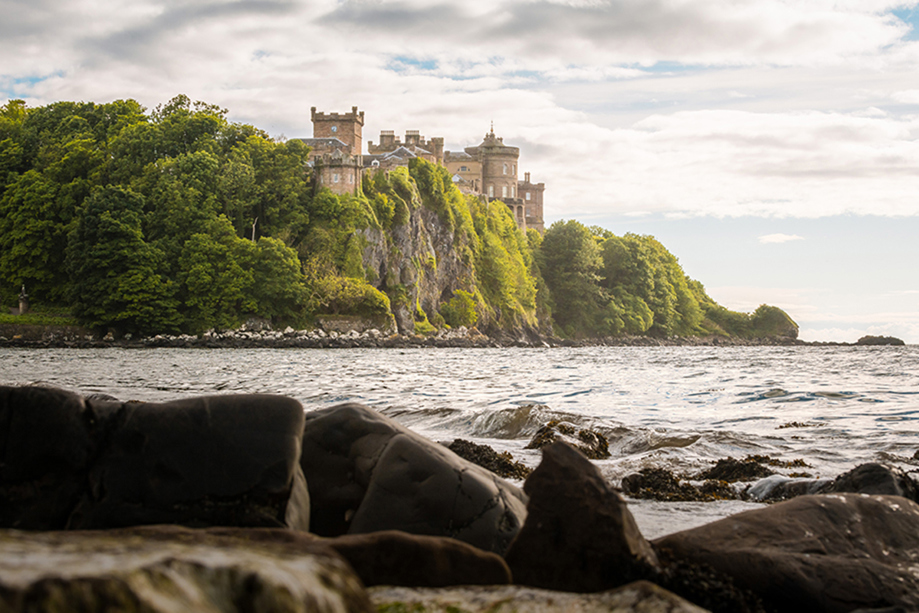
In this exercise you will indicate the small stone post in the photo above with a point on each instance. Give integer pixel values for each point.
(23, 301)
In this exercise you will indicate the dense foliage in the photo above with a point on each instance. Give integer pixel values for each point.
(177, 220)
(601, 284)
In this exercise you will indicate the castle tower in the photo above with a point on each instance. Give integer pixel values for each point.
(499, 167)
(346, 127)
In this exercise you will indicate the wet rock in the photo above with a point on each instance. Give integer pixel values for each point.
(779, 487)
(732, 469)
(502, 464)
(661, 484)
(831, 553)
(874, 478)
(368, 473)
(391, 557)
(637, 597)
(220, 460)
(579, 535)
(167, 569)
(591, 443)
(46, 447)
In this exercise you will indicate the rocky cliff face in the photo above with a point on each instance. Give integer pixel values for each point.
(419, 264)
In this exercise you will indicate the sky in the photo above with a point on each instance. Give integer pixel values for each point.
(772, 146)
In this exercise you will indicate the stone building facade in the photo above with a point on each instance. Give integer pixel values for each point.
(392, 152)
(488, 170)
(335, 150)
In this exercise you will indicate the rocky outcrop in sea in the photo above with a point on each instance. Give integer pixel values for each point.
(245, 502)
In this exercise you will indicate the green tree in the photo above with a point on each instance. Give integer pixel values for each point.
(115, 283)
(215, 277)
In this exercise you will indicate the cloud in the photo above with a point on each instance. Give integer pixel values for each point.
(769, 239)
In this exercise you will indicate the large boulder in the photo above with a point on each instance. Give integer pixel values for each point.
(367, 473)
(46, 445)
(390, 557)
(163, 569)
(831, 553)
(85, 464)
(579, 535)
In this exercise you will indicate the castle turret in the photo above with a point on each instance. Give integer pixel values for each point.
(346, 127)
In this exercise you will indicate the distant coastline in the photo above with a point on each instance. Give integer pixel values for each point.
(30, 336)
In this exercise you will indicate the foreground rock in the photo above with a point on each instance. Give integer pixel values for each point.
(168, 569)
(830, 553)
(637, 597)
(579, 535)
(219, 460)
(397, 558)
(368, 473)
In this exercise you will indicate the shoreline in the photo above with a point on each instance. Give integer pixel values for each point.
(43, 337)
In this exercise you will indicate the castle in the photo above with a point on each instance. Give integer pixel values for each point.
(488, 170)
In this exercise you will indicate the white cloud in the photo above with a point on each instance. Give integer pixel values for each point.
(768, 239)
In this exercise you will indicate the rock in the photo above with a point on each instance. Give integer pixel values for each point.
(579, 535)
(46, 446)
(879, 340)
(391, 557)
(502, 464)
(874, 478)
(780, 487)
(215, 460)
(732, 469)
(830, 553)
(871, 478)
(167, 569)
(589, 442)
(661, 484)
(637, 597)
(367, 473)
(219, 460)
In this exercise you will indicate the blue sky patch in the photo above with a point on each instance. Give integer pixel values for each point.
(909, 16)
(20, 87)
(403, 63)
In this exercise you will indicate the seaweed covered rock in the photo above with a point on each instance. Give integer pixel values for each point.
(579, 535)
(591, 443)
(814, 553)
(661, 484)
(217, 460)
(368, 473)
(163, 569)
(502, 464)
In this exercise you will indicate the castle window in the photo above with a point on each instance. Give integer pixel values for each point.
(504, 191)
(528, 195)
(491, 191)
(463, 169)
(350, 178)
(335, 177)
(334, 129)
(513, 192)
(505, 169)
(514, 169)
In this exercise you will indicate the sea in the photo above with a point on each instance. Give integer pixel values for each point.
(680, 408)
